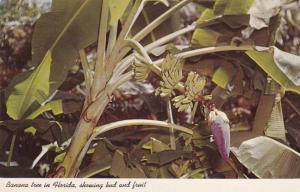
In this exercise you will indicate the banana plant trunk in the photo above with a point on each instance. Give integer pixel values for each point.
(82, 135)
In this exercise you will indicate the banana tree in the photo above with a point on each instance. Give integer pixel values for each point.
(62, 36)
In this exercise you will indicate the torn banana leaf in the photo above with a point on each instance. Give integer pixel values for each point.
(267, 158)
(271, 61)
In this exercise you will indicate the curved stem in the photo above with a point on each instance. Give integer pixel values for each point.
(134, 122)
(139, 48)
(196, 52)
(121, 80)
(207, 50)
(154, 24)
(187, 54)
(125, 63)
(170, 37)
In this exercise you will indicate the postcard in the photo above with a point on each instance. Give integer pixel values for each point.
(149, 95)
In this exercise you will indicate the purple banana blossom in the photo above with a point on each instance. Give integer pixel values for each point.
(219, 124)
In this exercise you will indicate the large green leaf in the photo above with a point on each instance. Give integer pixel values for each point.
(33, 89)
(59, 35)
(265, 59)
(70, 26)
